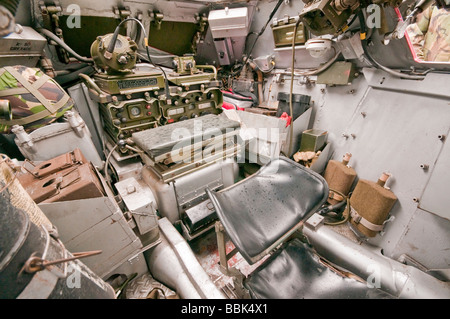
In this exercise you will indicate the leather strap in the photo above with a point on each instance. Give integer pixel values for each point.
(336, 196)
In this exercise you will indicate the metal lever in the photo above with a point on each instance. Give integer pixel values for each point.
(35, 264)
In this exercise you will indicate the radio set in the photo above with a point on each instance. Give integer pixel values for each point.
(136, 97)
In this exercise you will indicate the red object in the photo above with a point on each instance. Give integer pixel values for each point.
(170, 120)
(287, 118)
(229, 106)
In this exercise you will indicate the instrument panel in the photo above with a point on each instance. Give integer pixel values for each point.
(191, 104)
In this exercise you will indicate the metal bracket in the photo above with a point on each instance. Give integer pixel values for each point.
(122, 13)
(315, 221)
(157, 18)
(50, 16)
(223, 256)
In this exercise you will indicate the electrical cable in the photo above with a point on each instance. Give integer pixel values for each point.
(306, 73)
(332, 208)
(247, 54)
(64, 45)
(105, 167)
(291, 89)
(355, 16)
(11, 5)
(247, 37)
(275, 9)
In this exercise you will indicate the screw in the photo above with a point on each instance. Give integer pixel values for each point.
(345, 135)
(363, 114)
(415, 199)
(441, 137)
(424, 166)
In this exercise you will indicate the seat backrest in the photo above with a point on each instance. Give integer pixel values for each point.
(261, 211)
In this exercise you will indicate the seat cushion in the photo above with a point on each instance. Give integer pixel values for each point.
(296, 273)
(260, 209)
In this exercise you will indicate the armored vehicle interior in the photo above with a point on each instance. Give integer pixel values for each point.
(203, 149)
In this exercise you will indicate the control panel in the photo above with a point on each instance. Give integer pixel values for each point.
(122, 118)
(191, 104)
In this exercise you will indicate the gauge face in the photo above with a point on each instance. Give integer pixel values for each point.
(118, 44)
(134, 110)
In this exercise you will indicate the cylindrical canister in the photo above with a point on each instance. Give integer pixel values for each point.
(19, 197)
(22, 242)
(340, 178)
(370, 205)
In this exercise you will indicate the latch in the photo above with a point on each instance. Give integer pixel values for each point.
(50, 15)
(157, 18)
(122, 13)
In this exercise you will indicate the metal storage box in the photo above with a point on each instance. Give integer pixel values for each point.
(228, 22)
(140, 202)
(24, 48)
(283, 31)
(175, 197)
(313, 140)
(66, 177)
(97, 224)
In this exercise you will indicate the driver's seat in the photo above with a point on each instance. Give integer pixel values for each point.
(261, 214)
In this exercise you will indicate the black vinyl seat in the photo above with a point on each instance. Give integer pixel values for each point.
(295, 272)
(260, 213)
(268, 205)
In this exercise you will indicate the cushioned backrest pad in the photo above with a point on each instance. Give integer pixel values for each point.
(259, 210)
(296, 273)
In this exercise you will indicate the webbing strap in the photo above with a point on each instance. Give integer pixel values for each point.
(13, 91)
(33, 89)
(358, 219)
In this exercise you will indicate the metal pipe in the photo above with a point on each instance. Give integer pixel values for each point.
(259, 73)
(212, 67)
(367, 262)
(90, 83)
(173, 263)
